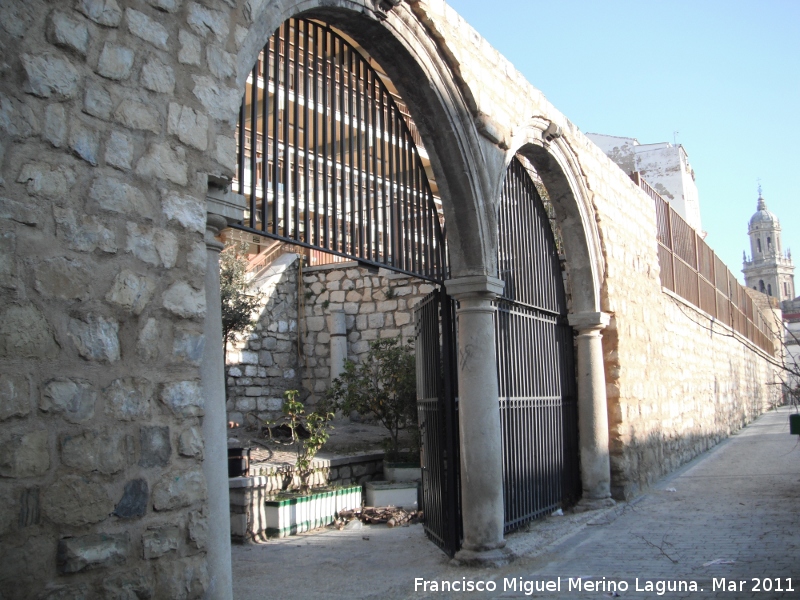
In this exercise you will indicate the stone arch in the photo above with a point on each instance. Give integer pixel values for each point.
(404, 48)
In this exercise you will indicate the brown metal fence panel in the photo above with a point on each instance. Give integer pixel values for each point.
(665, 262)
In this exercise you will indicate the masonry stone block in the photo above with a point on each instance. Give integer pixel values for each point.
(220, 102)
(73, 399)
(55, 125)
(113, 194)
(187, 346)
(184, 398)
(150, 30)
(130, 585)
(157, 77)
(155, 446)
(14, 396)
(152, 245)
(225, 152)
(92, 551)
(85, 233)
(131, 291)
(205, 21)
(190, 442)
(179, 490)
(50, 75)
(160, 541)
(185, 301)
(186, 210)
(49, 181)
(97, 101)
(25, 455)
(135, 500)
(63, 278)
(76, 501)
(197, 529)
(188, 125)
(129, 398)
(102, 12)
(137, 115)
(25, 333)
(115, 61)
(67, 32)
(105, 451)
(162, 161)
(95, 337)
(220, 63)
(189, 53)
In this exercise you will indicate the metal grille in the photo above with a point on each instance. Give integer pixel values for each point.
(536, 373)
(327, 160)
(438, 420)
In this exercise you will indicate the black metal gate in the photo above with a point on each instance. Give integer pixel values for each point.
(438, 420)
(535, 360)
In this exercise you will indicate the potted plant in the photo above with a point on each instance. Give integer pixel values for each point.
(294, 512)
(383, 385)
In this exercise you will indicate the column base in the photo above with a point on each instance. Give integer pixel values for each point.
(497, 557)
(588, 504)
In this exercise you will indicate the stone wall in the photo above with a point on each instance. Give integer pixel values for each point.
(266, 362)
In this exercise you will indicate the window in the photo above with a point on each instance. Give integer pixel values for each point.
(758, 243)
(769, 290)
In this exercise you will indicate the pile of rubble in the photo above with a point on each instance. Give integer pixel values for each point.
(369, 515)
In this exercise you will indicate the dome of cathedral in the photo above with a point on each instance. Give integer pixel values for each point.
(762, 216)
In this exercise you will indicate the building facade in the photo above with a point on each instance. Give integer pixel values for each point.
(769, 269)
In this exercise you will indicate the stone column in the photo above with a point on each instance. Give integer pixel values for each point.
(592, 411)
(215, 434)
(338, 331)
(479, 421)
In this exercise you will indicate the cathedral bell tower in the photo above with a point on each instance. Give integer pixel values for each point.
(770, 269)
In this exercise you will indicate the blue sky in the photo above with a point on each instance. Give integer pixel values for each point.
(725, 75)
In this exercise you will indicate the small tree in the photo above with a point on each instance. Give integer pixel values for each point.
(382, 384)
(239, 301)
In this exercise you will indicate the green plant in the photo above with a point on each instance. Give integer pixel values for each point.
(239, 301)
(316, 428)
(382, 384)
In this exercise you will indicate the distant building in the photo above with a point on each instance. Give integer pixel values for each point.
(770, 269)
(665, 167)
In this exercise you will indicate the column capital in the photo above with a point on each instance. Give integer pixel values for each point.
(214, 224)
(589, 321)
(475, 286)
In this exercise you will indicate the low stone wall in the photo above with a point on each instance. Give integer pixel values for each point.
(248, 494)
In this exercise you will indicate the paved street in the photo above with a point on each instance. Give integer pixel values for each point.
(729, 520)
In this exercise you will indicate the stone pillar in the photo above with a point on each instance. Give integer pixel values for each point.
(479, 421)
(338, 331)
(592, 411)
(215, 434)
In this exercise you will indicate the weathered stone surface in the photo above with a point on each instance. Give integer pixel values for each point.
(190, 442)
(115, 61)
(102, 451)
(169, 6)
(74, 500)
(160, 541)
(186, 210)
(84, 235)
(189, 53)
(142, 26)
(177, 491)
(221, 102)
(204, 21)
(119, 151)
(163, 162)
(155, 446)
(225, 152)
(136, 115)
(92, 551)
(16, 119)
(183, 398)
(185, 579)
(84, 141)
(9, 509)
(67, 32)
(196, 257)
(184, 301)
(95, 337)
(55, 125)
(147, 343)
(152, 245)
(198, 529)
(129, 398)
(25, 333)
(157, 77)
(50, 181)
(103, 12)
(29, 507)
(189, 126)
(187, 346)
(25, 455)
(112, 194)
(131, 291)
(8, 251)
(72, 399)
(220, 63)
(19, 212)
(134, 501)
(78, 591)
(133, 585)
(63, 278)
(14, 396)
(97, 102)
(50, 75)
